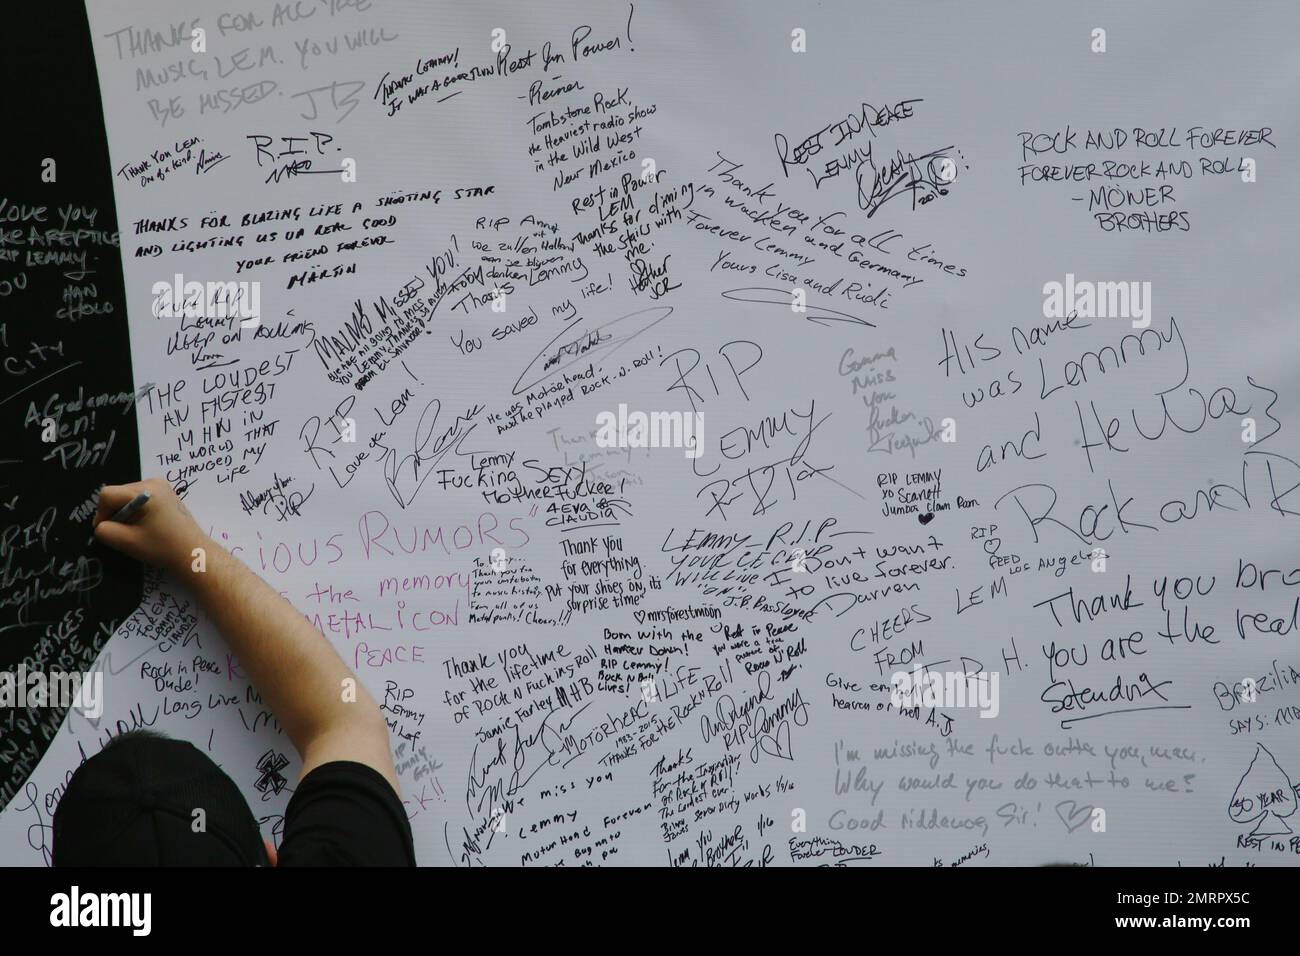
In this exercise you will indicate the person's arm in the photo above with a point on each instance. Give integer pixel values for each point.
(291, 664)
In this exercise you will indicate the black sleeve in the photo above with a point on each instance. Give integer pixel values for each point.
(346, 814)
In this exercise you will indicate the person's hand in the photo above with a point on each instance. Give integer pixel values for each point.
(163, 532)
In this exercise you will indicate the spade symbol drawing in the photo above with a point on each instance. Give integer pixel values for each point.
(1265, 796)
